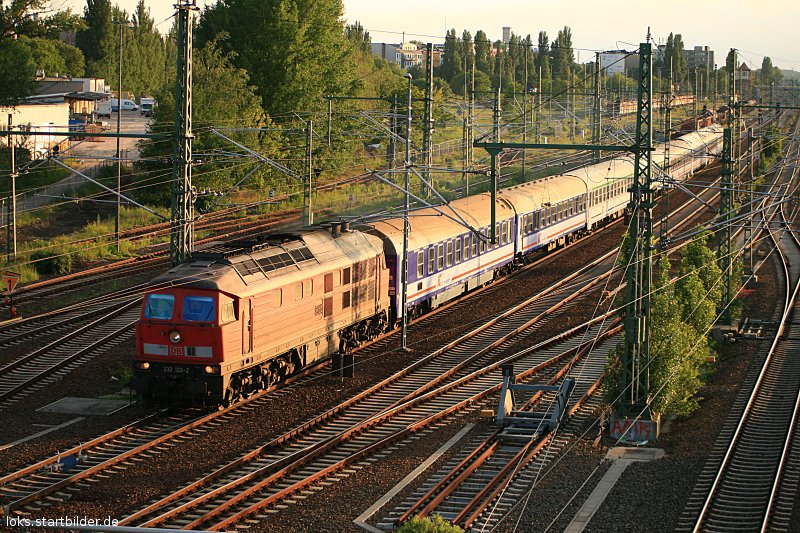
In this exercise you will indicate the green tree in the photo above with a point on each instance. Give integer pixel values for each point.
(483, 53)
(679, 59)
(97, 40)
(359, 38)
(675, 355)
(563, 56)
(766, 71)
(16, 16)
(467, 49)
(17, 69)
(222, 96)
(543, 58)
(54, 57)
(295, 51)
(144, 53)
(452, 67)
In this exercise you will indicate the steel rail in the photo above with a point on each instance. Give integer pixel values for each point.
(792, 287)
(353, 458)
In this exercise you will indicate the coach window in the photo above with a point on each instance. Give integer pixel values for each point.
(440, 257)
(449, 253)
(277, 298)
(474, 245)
(506, 233)
(298, 291)
(420, 263)
(431, 259)
(458, 250)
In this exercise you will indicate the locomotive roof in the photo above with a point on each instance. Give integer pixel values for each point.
(243, 266)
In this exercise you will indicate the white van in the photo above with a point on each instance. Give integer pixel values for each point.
(103, 108)
(127, 105)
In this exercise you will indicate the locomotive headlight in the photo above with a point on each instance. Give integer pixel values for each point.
(142, 365)
(211, 369)
(175, 336)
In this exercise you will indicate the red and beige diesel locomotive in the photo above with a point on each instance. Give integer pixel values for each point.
(242, 315)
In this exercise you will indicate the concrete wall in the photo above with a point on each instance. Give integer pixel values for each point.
(38, 117)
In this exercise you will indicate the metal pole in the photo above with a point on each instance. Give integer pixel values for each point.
(182, 217)
(525, 110)
(726, 216)
(664, 229)
(308, 213)
(597, 110)
(11, 228)
(427, 134)
(496, 117)
(636, 356)
(119, 127)
(330, 119)
(538, 107)
(392, 138)
(406, 207)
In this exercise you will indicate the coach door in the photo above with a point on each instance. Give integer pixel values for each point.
(247, 326)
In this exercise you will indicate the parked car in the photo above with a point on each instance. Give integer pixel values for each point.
(127, 105)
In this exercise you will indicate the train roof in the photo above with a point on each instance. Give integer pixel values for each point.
(533, 195)
(244, 266)
(428, 226)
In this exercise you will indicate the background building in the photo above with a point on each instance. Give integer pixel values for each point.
(700, 57)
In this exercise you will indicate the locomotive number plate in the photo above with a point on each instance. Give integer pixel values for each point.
(176, 350)
(176, 370)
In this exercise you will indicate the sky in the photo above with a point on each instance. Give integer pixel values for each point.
(756, 28)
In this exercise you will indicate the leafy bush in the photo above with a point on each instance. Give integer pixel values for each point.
(435, 524)
(52, 262)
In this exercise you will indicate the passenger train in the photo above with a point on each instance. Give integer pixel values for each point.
(242, 315)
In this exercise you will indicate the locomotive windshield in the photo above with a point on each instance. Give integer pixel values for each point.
(159, 306)
(198, 308)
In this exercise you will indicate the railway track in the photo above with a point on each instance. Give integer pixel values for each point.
(23, 481)
(48, 364)
(750, 481)
(27, 480)
(55, 477)
(478, 486)
(282, 468)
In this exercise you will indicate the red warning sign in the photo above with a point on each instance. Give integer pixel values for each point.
(10, 279)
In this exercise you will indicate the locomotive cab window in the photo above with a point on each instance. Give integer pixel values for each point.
(298, 291)
(198, 308)
(159, 306)
(346, 276)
